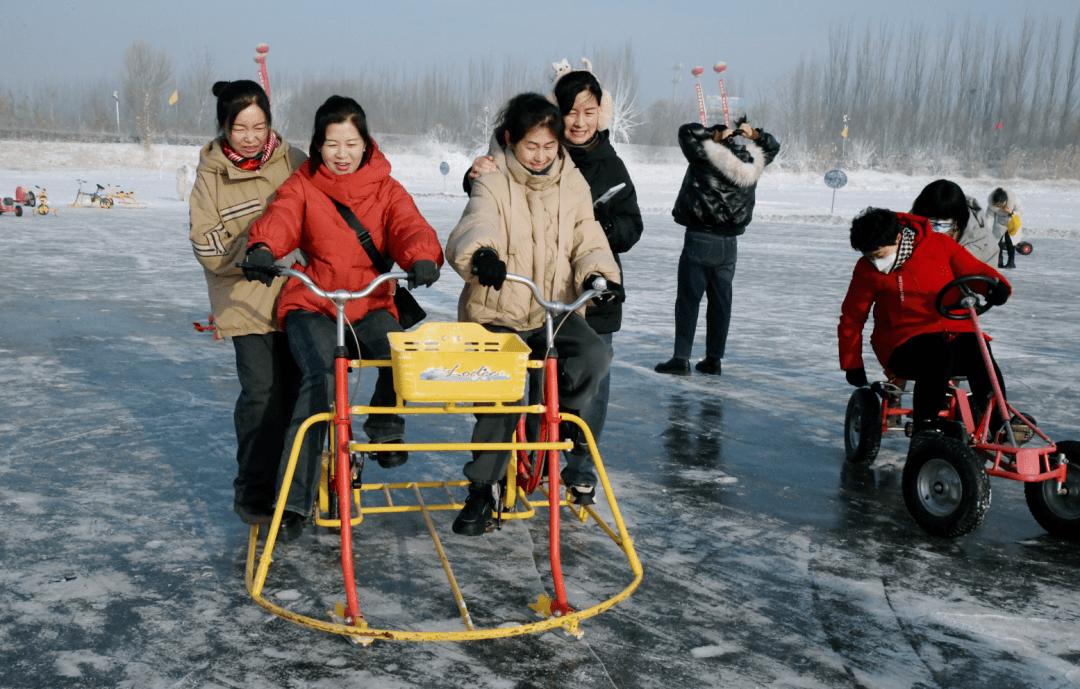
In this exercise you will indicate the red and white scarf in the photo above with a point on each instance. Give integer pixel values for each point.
(250, 164)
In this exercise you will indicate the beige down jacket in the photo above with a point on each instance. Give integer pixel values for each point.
(224, 202)
(542, 226)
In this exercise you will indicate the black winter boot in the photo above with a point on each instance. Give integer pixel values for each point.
(675, 366)
(475, 518)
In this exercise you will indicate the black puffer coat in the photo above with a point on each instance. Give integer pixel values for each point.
(619, 215)
(717, 193)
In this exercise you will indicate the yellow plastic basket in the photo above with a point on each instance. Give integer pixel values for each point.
(458, 362)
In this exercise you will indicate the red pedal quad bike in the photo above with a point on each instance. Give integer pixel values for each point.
(439, 368)
(9, 206)
(25, 197)
(946, 482)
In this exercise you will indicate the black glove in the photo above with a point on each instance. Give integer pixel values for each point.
(857, 377)
(489, 269)
(258, 257)
(997, 293)
(614, 294)
(423, 272)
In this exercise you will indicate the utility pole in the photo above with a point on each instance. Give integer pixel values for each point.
(676, 79)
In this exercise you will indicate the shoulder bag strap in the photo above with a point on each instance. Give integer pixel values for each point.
(364, 236)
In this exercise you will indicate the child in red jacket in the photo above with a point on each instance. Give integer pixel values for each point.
(903, 268)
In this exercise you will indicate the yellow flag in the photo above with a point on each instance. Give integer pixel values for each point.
(844, 133)
(174, 97)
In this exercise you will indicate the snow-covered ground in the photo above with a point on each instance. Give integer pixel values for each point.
(768, 562)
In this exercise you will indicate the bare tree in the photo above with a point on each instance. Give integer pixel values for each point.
(196, 100)
(146, 76)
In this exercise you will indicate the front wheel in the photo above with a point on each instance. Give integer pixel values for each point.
(18, 211)
(1058, 513)
(30, 199)
(946, 489)
(862, 427)
(1024, 248)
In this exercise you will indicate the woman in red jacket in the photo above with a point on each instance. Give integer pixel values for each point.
(904, 266)
(346, 167)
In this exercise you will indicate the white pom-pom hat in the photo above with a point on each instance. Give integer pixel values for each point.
(606, 107)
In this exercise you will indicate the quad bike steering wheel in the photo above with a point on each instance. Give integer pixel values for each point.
(958, 310)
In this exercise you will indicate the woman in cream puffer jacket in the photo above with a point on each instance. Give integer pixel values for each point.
(532, 216)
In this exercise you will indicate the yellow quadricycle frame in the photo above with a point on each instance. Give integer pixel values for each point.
(446, 366)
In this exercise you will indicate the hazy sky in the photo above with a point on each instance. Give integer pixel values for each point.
(759, 40)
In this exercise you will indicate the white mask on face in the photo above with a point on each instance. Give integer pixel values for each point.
(885, 263)
(941, 225)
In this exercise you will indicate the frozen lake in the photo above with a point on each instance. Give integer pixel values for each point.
(768, 562)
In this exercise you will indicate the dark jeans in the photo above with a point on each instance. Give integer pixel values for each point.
(584, 358)
(931, 360)
(269, 382)
(312, 338)
(1005, 245)
(706, 267)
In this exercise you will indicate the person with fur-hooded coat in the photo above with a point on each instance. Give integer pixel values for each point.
(715, 204)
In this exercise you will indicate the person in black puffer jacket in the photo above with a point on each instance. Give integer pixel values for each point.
(587, 111)
(715, 204)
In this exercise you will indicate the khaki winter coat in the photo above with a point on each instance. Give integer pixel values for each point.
(224, 202)
(542, 226)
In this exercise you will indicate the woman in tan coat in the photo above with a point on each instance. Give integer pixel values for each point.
(238, 175)
(532, 216)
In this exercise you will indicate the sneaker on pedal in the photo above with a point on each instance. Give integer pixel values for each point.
(388, 459)
(581, 495)
(475, 517)
(292, 526)
(254, 513)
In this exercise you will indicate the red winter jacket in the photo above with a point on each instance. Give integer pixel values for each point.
(303, 216)
(903, 300)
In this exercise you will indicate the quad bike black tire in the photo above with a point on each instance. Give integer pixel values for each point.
(946, 489)
(1024, 248)
(30, 199)
(8, 201)
(18, 211)
(1058, 514)
(862, 427)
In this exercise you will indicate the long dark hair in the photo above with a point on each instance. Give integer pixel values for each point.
(337, 110)
(233, 97)
(943, 199)
(523, 113)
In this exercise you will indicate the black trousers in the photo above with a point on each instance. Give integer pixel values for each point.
(584, 359)
(269, 384)
(932, 359)
(1005, 245)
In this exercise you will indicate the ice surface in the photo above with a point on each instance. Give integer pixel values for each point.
(768, 562)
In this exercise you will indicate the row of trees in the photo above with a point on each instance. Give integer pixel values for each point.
(958, 98)
(927, 98)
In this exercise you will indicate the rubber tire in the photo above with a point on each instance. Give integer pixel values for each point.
(963, 505)
(1024, 248)
(18, 211)
(106, 203)
(8, 201)
(30, 199)
(862, 427)
(1059, 515)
